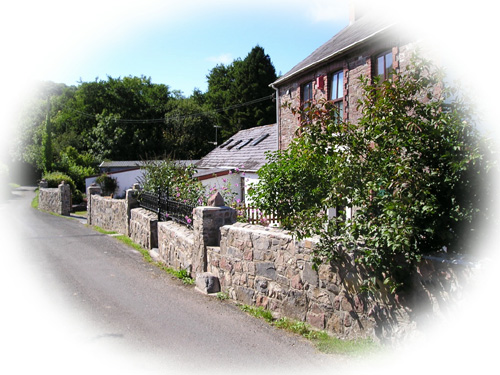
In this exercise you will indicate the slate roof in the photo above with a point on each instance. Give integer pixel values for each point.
(245, 150)
(348, 38)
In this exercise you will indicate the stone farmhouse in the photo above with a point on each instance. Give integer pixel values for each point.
(370, 45)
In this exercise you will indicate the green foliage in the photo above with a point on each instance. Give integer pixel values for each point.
(258, 312)
(182, 275)
(177, 179)
(55, 178)
(189, 130)
(76, 165)
(321, 339)
(135, 99)
(35, 202)
(240, 82)
(222, 296)
(48, 157)
(107, 183)
(414, 168)
(132, 118)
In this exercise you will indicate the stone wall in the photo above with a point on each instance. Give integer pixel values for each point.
(267, 267)
(182, 248)
(57, 200)
(108, 214)
(176, 245)
(143, 228)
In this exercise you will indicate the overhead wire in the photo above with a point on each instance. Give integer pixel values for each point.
(166, 118)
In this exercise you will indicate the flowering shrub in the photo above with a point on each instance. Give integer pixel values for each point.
(166, 175)
(414, 167)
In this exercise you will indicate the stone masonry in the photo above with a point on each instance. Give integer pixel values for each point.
(266, 267)
(57, 200)
(176, 245)
(143, 228)
(108, 213)
(263, 266)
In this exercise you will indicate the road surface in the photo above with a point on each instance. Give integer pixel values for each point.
(82, 302)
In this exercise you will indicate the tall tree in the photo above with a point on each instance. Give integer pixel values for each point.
(48, 157)
(190, 128)
(234, 88)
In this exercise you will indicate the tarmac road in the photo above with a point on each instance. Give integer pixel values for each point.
(80, 301)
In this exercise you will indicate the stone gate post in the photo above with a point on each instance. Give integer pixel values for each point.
(64, 199)
(132, 202)
(206, 223)
(93, 189)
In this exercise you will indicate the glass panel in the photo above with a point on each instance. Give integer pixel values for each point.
(388, 65)
(380, 66)
(340, 109)
(334, 87)
(307, 95)
(340, 87)
(337, 86)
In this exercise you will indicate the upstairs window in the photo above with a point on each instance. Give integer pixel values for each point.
(337, 92)
(306, 94)
(383, 66)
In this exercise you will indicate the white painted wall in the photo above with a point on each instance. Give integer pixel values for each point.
(125, 180)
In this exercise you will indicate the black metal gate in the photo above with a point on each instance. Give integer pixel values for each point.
(167, 208)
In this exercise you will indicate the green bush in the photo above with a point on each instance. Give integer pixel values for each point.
(108, 184)
(416, 171)
(55, 178)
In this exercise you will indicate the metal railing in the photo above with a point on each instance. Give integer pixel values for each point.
(166, 207)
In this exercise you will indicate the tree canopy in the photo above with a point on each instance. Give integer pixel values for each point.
(243, 81)
(132, 118)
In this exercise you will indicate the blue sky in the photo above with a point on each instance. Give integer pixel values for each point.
(175, 43)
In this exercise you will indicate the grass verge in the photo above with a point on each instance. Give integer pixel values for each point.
(34, 202)
(323, 342)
